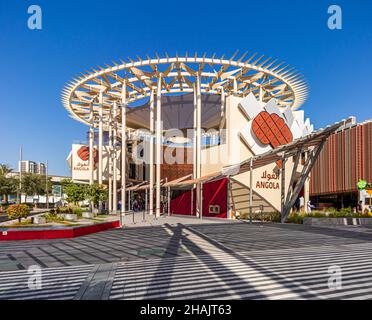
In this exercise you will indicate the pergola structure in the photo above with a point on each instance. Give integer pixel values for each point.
(100, 99)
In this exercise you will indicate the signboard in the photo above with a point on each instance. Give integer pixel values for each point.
(268, 181)
(367, 187)
(364, 185)
(270, 126)
(79, 162)
(57, 190)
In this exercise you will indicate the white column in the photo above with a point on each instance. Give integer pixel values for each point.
(250, 189)
(198, 146)
(91, 146)
(198, 127)
(223, 101)
(169, 200)
(194, 152)
(100, 146)
(260, 94)
(115, 160)
(100, 139)
(123, 145)
(151, 166)
(129, 201)
(109, 162)
(158, 145)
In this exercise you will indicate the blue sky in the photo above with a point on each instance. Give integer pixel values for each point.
(78, 35)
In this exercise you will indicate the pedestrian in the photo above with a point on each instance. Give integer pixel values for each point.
(297, 205)
(302, 204)
(310, 206)
(135, 205)
(360, 207)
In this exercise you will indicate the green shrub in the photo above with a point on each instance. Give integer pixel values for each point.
(64, 210)
(295, 217)
(18, 211)
(346, 210)
(264, 216)
(77, 211)
(53, 217)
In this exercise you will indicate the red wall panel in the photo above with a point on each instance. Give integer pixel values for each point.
(214, 193)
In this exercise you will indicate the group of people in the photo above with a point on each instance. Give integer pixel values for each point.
(138, 205)
(300, 205)
(359, 208)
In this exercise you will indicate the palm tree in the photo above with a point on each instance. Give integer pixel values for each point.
(4, 169)
(35, 184)
(8, 185)
(32, 184)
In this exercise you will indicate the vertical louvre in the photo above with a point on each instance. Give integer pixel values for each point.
(345, 158)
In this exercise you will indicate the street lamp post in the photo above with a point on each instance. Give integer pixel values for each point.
(46, 185)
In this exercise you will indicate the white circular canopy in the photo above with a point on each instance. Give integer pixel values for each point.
(264, 77)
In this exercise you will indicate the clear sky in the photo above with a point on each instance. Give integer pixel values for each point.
(78, 35)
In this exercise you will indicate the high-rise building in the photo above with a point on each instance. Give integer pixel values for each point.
(27, 166)
(41, 168)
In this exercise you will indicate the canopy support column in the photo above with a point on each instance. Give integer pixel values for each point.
(152, 142)
(123, 145)
(146, 200)
(109, 162)
(198, 145)
(169, 200)
(158, 146)
(194, 153)
(91, 146)
(282, 191)
(115, 160)
(100, 146)
(250, 190)
(310, 161)
(129, 201)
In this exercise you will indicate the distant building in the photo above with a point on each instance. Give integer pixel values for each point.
(27, 166)
(41, 168)
(55, 196)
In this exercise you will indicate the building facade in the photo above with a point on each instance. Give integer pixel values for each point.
(224, 135)
(345, 159)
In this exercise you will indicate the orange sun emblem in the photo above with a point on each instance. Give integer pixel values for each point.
(271, 129)
(83, 154)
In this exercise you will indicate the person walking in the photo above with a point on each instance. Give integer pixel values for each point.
(309, 206)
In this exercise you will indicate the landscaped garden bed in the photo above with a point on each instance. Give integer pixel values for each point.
(330, 216)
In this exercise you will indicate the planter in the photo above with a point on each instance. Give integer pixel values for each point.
(88, 215)
(38, 220)
(41, 233)
(337, 221)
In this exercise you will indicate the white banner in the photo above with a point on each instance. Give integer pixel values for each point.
(79, 162)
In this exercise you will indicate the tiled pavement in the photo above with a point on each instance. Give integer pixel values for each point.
(205, 260)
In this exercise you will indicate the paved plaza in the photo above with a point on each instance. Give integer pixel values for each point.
(184, 258)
